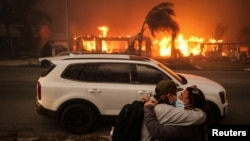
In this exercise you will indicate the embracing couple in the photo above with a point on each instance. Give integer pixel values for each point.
(174, 118)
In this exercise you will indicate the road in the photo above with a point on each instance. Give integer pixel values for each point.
(238, 92)
(18, 94)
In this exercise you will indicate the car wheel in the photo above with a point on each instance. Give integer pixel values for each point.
(45, 64)
(78, 118)
(213, 114)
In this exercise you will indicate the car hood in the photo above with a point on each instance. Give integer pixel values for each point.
(202, 82)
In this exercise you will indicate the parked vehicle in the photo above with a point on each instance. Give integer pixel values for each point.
(77, 90)
(45, 62)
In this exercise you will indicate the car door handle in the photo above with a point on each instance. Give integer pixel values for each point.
(143, 92)
(94, 91)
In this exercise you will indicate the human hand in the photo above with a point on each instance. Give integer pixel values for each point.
(145, 98)
(150, 102)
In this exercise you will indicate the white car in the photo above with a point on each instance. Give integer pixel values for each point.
(45, 62)
(78, 89)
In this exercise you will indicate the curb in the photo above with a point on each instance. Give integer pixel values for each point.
(31, 62)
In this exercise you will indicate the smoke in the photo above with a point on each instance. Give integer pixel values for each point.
(125, 17)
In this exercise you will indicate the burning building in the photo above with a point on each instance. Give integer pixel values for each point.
(193, 46)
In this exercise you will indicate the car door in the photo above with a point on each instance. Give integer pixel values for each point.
(147, 77)
(109, 87)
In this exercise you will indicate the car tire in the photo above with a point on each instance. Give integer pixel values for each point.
(213, 114)
(78, 118)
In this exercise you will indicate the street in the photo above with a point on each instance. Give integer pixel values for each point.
(238, 92)
(18, 95)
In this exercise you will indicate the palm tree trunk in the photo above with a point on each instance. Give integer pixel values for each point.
(173, 49)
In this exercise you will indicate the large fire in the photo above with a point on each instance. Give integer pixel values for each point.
(186, 47)
(104, 30)
(160, 47)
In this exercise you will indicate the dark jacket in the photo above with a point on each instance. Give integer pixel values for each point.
(160, 132)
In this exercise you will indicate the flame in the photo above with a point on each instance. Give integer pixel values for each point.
(89, 45)
(104, 30)
(164, 46)
(161, 44)
(186, 47)
(192, 46)
(182, 45)
(101, 44)
(211, 40)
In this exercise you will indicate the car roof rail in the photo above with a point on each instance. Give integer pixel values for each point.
(107, 56)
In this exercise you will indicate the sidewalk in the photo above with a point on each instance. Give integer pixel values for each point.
(19, 62)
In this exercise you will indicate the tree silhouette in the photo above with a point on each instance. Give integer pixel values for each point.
(20, 15)
(160, 18)
(220, 30)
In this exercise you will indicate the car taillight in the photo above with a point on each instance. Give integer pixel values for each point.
(39, 95)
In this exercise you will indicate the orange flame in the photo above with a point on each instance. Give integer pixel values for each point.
(104, 30)
(161, 46)
(164, 46)
(186, 47)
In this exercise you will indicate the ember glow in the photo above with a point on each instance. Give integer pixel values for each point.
(101, 43)
(104, 30)
(161, 46)
(186, 47)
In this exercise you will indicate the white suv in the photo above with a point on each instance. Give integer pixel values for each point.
(77, 90)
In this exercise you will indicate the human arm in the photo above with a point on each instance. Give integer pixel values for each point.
(157, 130)
(167, 114)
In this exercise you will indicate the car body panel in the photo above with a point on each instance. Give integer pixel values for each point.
(109, 97)
(210, 89)
(59, 56)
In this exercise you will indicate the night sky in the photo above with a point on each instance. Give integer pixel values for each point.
(125, 17)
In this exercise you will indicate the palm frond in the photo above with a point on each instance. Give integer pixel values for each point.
(161, 18)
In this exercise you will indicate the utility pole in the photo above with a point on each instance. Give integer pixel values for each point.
(67, 25)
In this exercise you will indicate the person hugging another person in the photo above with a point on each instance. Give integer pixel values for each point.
(163, 121)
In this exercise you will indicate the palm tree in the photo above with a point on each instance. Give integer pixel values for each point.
(160, 18)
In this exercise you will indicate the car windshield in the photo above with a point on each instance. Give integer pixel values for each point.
(172, 73)
(62, 54)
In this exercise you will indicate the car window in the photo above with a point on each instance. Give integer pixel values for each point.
(73, 71)
(172, 73)
(88, 73)
(47, 71)
(99, 72)
(113, 72)
(149, 75)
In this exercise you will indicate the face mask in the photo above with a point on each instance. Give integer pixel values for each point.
(179, 104)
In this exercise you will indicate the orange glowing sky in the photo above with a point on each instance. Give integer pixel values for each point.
(125, 17)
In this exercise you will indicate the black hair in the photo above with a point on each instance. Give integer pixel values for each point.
(196, 98)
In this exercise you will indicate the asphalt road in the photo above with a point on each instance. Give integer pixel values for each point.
(237, 84)
(18, 93)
